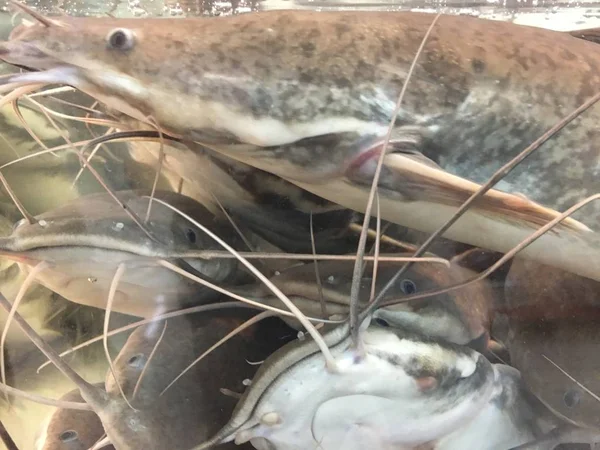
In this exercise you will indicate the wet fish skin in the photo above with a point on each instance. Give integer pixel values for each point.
(69, 429)
(193, 408)
(85, 240)
(461, 317)
(451, 380)
(512, 417)
(536, 348)
(471, 106)
(553, 321)
(267, 205)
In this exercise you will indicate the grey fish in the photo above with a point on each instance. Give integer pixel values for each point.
(270, 207)
(276, 91)
(407, 391)
(85, 240)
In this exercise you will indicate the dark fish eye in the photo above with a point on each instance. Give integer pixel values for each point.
(381, 322)
(136, 360)
(68, 436)
(408, 287)
(190, 235)
(571, 398)
(120, 39)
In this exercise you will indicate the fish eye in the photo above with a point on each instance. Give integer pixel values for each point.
(68, 436)
(571, 398)
(190, 235)
(408, 287)
(382, 322)
(136, 360)
(120, 39)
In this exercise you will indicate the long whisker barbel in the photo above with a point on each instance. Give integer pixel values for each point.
(505, 258)
(355, 318)
(493, 180)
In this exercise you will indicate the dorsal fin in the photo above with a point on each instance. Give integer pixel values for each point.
(46, 21)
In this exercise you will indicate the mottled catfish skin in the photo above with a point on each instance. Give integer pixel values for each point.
(482, 90)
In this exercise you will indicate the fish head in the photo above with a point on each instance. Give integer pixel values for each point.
(120, 62)
(459, 316)
(447, 378)
(70, 429)
(405, 391)
(84, 241)
(557, 363)
(204, 80)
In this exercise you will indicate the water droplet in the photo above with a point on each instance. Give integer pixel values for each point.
(43, 223)
(92, 279)
(118, 226)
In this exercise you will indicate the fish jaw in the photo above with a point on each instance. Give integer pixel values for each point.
(295, 413)
(109, 88)
(84, 276)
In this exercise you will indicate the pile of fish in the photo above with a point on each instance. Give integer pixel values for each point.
(297, 230)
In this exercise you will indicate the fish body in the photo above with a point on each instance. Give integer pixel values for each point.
(274, 90)
(558, 364)
(194, 407)
(482, 90)
(421, 391)
(553, 321)
(70, 429)
(85, 241)
(537, 293)
(512, 417)
(461, 316)
(270, 207)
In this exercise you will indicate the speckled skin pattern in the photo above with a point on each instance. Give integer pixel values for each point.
(482, 90)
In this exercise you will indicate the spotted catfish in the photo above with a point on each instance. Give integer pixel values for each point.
(308, 96)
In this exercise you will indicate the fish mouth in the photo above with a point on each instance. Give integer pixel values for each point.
(27, 56)
(19, 258)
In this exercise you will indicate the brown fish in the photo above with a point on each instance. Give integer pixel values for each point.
(535, 292)
(155, 424)
(553, 319)
(194, 407)
(276, 91)
(461, 316)
(71, 429)
(559, 364)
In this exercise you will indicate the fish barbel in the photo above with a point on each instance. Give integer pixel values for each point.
(308, 96)
(406, 392)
